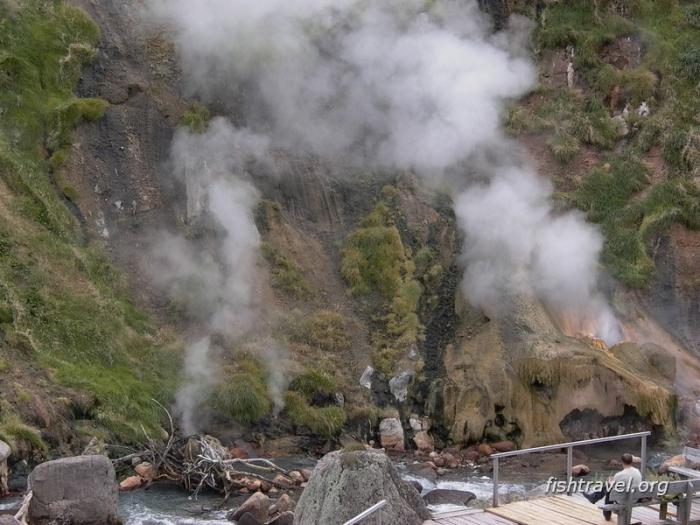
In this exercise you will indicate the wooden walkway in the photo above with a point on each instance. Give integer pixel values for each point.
(551, 510)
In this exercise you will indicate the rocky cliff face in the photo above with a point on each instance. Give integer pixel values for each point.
(521, 377)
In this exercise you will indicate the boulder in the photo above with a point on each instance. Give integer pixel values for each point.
(345, 483)
(306, 472)
(424, 470)
(258, 506)
(614, 464)
(131, 483)
(399, 385)
(81, 490)
(503, 446)
(485, 449)
(416, 485)
(675, 461)
(449, 497)
(391, 434)
(9, 520)
(283, 504)
(286, 518)
(145, 470)
(580, 470)
(450, 460)
(248, 519)
(424, 441)
(5, 452)
(296, 477)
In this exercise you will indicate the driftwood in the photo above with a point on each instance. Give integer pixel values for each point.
(23, 512)
(200, 461)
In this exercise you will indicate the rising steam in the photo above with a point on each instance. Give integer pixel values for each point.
(393, 83)
(215, 280)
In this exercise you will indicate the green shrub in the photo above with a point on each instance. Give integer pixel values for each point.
(314, 382)
(325, 421)
(690, 64)
(243, 397)
(692, 15)
(286, 274)
(374, 255)
(564, 147)
(196, 118)
(324, 329)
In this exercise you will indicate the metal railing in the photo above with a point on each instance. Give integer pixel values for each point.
(367, 513)
(569, 455)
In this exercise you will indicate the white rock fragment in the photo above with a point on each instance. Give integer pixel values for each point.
(366, 378)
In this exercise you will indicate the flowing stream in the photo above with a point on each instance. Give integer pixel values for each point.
(520, 477)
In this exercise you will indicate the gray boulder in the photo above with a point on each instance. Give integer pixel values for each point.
(345, 483)
(449, 497)
(5, 452)
(81, 490)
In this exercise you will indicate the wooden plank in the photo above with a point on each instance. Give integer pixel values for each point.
(456, 512)
(525, 513)
(589, 513)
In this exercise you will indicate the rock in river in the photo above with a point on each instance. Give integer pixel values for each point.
(81, 490)
(345, 483)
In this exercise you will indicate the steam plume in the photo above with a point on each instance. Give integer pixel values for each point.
(407, 84)
(218, 277)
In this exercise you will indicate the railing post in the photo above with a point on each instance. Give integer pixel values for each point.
(644, 457)
(569, 467)
(495, 482)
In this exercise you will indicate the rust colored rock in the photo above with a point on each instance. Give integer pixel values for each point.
(306, 473)
(485, 449)
(238, 453)
(503, 446)
(258, 506)
(296, 477)
(131, 483)
(675, 461)
(424, 441)
(283, 504)
(580, 470)
(450, 461)
(391, 434)
(254, 485)
(145, 470)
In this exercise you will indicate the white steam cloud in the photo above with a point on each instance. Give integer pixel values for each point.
(407, 84)
(214, 279)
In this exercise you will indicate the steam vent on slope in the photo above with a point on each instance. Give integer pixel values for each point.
(259, 228)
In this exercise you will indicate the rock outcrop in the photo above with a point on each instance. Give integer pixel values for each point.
(534, 377)
(346, 483)
(449, 497)
(391, 433)
(81, 490)
(5, 452)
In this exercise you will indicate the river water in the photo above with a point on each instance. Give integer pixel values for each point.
(520, 478)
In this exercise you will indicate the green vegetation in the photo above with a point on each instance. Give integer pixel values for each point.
(376, 264)
(286, 274)
(325, 421)
(304, 409)
(323, 329)
(69, 308)
(374, 256)
(313, 382)
(196, 118)
(242, 394)
(23, 439)
(620, 196)
(608, 195)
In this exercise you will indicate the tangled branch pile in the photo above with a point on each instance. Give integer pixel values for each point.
(200, 461)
